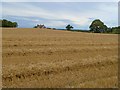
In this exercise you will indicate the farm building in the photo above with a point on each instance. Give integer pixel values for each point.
(41, 26)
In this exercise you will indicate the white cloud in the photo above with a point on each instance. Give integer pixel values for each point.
(60, 0)
(55, 24)
(104, 11)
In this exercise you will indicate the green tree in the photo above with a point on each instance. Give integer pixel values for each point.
(6, 23)
(15, 24)
(116, 30)
(98, 26)
(35, 27)
(0, 23)
(69, 27)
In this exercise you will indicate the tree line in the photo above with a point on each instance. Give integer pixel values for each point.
(97, 26)
(6, 23)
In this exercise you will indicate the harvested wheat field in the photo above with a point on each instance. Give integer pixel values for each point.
(44, 58)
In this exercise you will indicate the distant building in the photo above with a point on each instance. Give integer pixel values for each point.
(40, 26)
(43, 26)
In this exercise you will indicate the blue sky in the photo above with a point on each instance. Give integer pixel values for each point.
(59, 14)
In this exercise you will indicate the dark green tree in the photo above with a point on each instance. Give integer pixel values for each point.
(35, 27)
(15, 24)
(0, 23)
(69, 27)
(98, 26)
(6, 23)
(116, 30)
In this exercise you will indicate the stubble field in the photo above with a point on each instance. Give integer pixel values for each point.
(43, 58)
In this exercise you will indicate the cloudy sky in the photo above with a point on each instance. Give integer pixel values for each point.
(59, 14)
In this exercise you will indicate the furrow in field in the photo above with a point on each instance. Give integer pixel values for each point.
(52, 68)
(75, 78)
(94, 83)
(54, 50)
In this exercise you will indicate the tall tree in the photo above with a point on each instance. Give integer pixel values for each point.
(98, 26)
(69, 27)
